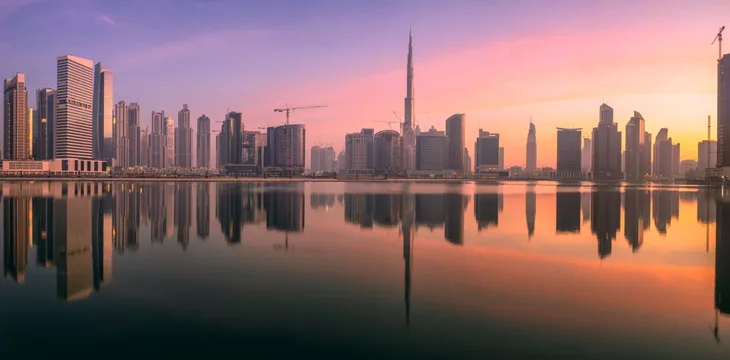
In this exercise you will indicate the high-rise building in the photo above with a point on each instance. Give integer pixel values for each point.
(646, 156)
(531, 149)
(369, 135)
(606, 147)
(467, 161)
(169, 128)
(501, 158)
(432, 150)
(409, 134)
(356, 152)
(486, 152)
(222, 143)
(663, 150)
(723, 112)
(455, 130)
(133, 123)
(44, 117)
(144, 147)
(569, 160)
(15, 119)
(203, 143)
(103, 117)
(341, 161)
(286, 146)
(184, 139)
(74, 105)
(121, 137)
(585, 162)
(31, 125)
(158, 141)
(706, 155)
(676, 168)
(314, 158)
(388, 152)
(635, 148)
(51, 123)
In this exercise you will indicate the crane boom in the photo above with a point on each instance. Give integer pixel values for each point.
(286, 109)
(718, 39)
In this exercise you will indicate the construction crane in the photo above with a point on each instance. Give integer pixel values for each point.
(389, 122)
(718, 39)
(287, 110)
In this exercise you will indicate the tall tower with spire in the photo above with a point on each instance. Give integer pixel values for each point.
(409, 135)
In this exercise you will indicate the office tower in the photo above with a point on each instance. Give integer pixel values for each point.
(222, 143)
(567, 210)
(203, 143)
(158, 141)
(102, 122)
(387, 152)
(31, 125)
(531, 149)
(235, 151)
(44, 110)
(314, 159)
(341, 161)
(144, 147)
(51, 123)
(467, 161)
(585, 157)
(15, 119)
(327, 158)
(133, 123)
(635, 148)
(74, 104)
(254, 148)
(356, 151)
(432, 150)
(486, 152)
(706, 155)
(286, 146)
(369, 135)
(606, 147)
(409, 133)
(184, 139)
(501, 159)
(569, 160)
(723, 112)
(675, 160)
(663, 149)
(169, 129)
(455, 131)
(646, 156)
(121, 137)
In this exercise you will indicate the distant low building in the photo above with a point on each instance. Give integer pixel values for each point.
(62, 166)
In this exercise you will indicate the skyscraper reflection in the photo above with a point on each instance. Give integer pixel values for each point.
(430, 210)
(585, 204)
(606, 218)
(102, 244)
(359, 209)
(666, 206)
(202, 210)
(567, 211)
(408, 233)
(321, 201)
(454, 208)
(388, 209)
(487, 207)
(229, 211)
(158, 213)
(126, 217)
(637, 203)
(722, 257)
(706, 207)
(16, 227)
(183, 209)
(530, 208)
(43, 226)
(74, 245)
(285, 208)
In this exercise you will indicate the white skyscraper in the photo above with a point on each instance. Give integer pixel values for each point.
(74, 107)
(409, 133)
(169, 142)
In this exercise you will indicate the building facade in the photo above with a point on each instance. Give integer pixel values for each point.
(15, 119)
(144, 147)
(388, 152)
(723, 112)
(203, 143)
(486, 152)
(169, 128)
(74, 105)
(158, 141)
(531, 161)
(44, 110)
(103, 114)
(606, 164)
(121, 138)
(184, 139)
(133, 134)
(569, 157)
(635, 148)
(663, 150)
(706, 155)
(456, 132)
(286, 146)
(356, 152)
(432, 150)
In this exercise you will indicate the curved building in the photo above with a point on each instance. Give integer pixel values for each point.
(387, 152)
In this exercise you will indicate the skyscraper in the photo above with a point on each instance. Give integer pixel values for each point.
(15, 119)
(356, 152)
(486, 152)
(369, 135)
(74, 104)
(500, 166)
(387, 152)
(569, 160)
(169, 128)
(432, 150)
(51, 124)
(286, 146)
(707, 155)
(676, 160)
(606, 147)
(663, 150)
(158, 140)
(121, 138)
(31, 124)
(409, 134)
(102, 123)
(723, 112)
(646, 156)
(455, 130)
(184, 139)
(133, 123)
(44, 116)
(144, 147)
(531, 149)
(586, 155)
(635, 148)
(203, 143)
(314, 163)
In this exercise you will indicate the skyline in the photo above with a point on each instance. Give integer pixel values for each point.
(355, 64)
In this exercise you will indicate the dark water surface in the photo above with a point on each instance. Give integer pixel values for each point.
(367, 270)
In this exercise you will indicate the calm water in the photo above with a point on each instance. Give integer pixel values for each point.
(390, 270)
